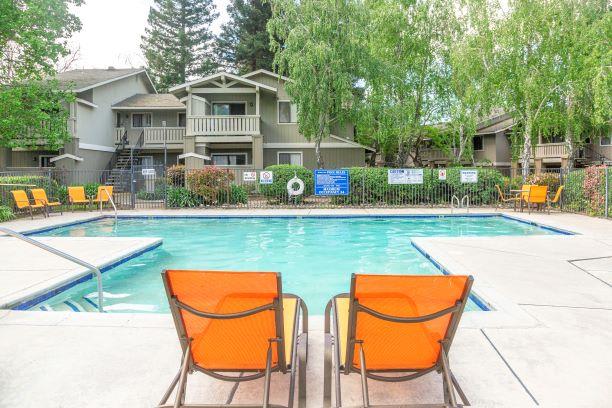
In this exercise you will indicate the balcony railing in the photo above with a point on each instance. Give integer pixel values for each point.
(223, 125)
(551, 151)
(436, 154)
(119, 134)
(173, 136)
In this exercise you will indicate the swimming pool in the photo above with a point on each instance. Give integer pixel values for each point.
(315, 255)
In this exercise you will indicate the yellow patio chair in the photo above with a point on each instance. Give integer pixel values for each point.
(40, 197)
(503, 199)
(537, 196)
(238, 322)
(394, 328)
(104, 195)
(23, 204)
(555, 199)
(76, 196)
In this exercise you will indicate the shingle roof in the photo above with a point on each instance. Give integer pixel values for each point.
(85, 78)
(150, 101)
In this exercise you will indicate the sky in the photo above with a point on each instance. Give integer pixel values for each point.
(111, 32)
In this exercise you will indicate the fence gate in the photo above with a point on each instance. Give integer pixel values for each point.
(148, 187)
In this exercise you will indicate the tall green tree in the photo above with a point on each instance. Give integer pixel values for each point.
(33, 35)
(178, 41)
(319, 45)
(244, 42)
(407, 78)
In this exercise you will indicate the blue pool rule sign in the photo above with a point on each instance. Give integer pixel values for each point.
(331, 182)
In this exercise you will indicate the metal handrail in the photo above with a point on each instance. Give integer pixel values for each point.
(467, 199)
(453, 198)
(110, 199)
(64, 255)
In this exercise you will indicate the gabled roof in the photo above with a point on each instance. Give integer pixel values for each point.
(150, 101)
(85, 79)
(266, 72)
(496, 122)
(221, 76)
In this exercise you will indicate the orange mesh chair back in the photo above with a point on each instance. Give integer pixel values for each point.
(102, 197)
(236, 344)
(40, 197)
(76, 195)
(400, 346)
(22, 201)
(537, 194)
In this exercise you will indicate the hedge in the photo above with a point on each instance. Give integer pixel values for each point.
(282, 174)
(369, 186)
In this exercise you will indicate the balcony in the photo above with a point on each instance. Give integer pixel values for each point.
(551, 151)
(242, 125)
(154, 137)
(435, 155)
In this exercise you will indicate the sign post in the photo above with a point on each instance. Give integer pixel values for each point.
(331, 182)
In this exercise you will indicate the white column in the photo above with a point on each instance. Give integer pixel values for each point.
(257, 100)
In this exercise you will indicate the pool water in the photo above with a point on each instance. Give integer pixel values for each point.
(316, 256)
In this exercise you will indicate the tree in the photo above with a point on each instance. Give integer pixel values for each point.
(33, 35)
(407, 78)
(177, 43)
(244, 42)
(318, 44)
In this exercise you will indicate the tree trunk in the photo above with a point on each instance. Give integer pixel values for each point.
(526, 156)
(462, 143)
(318, 155)
(569, 134)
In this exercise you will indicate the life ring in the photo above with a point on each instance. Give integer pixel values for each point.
(293, 191)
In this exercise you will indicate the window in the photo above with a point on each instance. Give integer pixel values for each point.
(287, 112)
(605, 140)
(44, 160)
(229, 159)
(477, 143)
(229, 108)
(141, 120)
(118, 121)
(182, 120)
(294, 158)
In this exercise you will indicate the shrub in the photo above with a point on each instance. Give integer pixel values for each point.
(209, 183)
(282, 174)
(176, 175)
(574, 198)
(552, 180)
(594, 189)
(369, 186)
(158, 192)
(50, 185)
(237, 195)
(180, 197)
(6, 213)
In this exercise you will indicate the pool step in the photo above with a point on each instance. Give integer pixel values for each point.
(73, 305)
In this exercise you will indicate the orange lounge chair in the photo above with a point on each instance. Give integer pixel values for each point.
(402, 324)
(40, 197)
(76, 196)
(537, 196)
(102, 196)
(555, 199)
(23, 204)
(238, 322)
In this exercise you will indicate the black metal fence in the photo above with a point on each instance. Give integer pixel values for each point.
(155, 187)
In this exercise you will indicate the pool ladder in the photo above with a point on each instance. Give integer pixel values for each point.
(93, 269)
(110, 199)
(465, 199)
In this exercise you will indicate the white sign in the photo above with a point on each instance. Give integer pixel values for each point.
(442, 174)
(469, 176)
(148, 172)
(249, 176)
(266, 177)
(405, 176)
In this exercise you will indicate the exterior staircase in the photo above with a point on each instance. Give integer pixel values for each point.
(118, 170)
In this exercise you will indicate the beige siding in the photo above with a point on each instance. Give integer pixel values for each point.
(502, 149)
(333, 158)
(489, 149)
(170, 116)
(29, 158)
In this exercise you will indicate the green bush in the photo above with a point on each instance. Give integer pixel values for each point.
(282, 174)
(158, 193)
(237, 195)
(180, 197)
(368, 186)
(6, 213)
(176, 175)
(51, 186)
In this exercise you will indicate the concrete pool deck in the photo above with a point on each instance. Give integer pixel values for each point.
(547, 343)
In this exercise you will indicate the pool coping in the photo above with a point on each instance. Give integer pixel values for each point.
(80, 275)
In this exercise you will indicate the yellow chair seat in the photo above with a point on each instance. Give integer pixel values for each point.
(289, 305)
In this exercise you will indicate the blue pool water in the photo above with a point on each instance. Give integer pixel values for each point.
(316, 256)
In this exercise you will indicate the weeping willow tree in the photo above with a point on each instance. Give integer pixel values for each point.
(318, 44)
